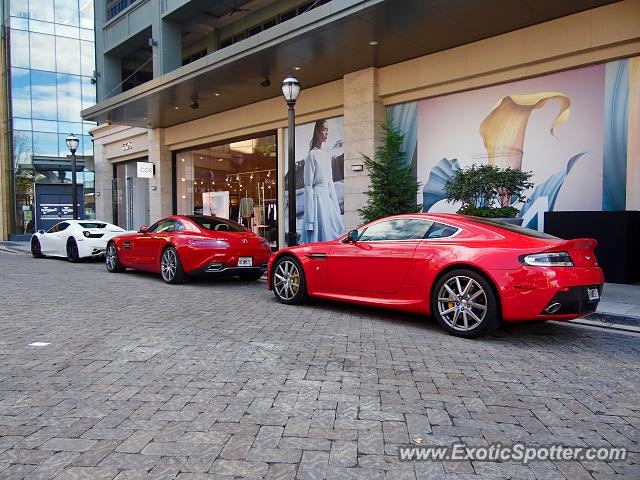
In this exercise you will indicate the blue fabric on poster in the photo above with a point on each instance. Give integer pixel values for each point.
(440, 174)
(614, 171)
(551, 187)
(405, 117)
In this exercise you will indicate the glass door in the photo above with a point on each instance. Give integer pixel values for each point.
(131, 197)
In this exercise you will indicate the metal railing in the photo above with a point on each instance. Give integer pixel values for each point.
(114, 7)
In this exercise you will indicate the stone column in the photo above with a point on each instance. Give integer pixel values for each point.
(160, 198)
(104, 184)
(363, 114)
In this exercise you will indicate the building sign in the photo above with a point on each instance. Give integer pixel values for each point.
(145, 169)
(56, 211)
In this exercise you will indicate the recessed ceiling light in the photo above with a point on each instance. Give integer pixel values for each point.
(297, 68)
(217, 94)
(176, 108)
(183, 197)
(373, 43)
(182, 159)
(219, 159)
(183, 179)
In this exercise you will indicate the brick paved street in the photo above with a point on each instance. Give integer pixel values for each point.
(215, 379)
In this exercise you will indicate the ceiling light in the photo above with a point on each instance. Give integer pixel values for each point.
(297, 69)
(184, 197)
(219, 159)
(176, 108)
(182, 179)
(182, 159)
(217, 94)
(373, 43)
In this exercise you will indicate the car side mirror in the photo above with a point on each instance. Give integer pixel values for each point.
(41, 232)
(144, 229)
(353, 236)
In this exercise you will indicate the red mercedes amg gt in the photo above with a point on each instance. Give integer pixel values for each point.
(181, 246)
(469, 273)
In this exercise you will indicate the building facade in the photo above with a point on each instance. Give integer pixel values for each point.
(193, 88)
(48, 78)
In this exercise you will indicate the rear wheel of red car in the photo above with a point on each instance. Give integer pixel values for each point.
(171, 268)
(465, 304)
(288, 281)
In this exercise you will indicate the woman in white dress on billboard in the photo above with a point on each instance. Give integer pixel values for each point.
(322, 218)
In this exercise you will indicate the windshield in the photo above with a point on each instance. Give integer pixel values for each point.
(93, 225)
(217, 224)
(511, 228)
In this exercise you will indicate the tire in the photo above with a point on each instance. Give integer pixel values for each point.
(36, 248)
(72, 251)
(449, 306)
(288, 281)
(112, 260)
(171, 268)
(250, 276)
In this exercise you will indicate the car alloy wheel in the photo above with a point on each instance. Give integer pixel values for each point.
(36, 248)
(288, 281)
(112, 257)
(169, 264)
(462, 303)
(72, 251)
(170, 267)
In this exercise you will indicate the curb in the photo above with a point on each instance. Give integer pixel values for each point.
(614, 319)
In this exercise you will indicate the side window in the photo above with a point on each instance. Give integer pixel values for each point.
(440, 230)
(396, 229)
(154, 228)
(54, 229)
(62, 226)
(166, 226)
(179, 226)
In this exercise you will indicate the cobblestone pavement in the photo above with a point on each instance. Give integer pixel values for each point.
(215, 379)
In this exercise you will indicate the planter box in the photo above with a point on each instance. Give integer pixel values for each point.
(617, 233)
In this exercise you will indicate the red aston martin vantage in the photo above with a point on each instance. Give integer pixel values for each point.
(180, 246)
(469, 273)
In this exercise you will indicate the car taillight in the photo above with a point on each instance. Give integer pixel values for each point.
(86, 234)
(550, 259)
(209, 243)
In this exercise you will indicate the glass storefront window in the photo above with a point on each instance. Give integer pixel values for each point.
(67, 55)
(45, 144)
(88, 59)
(86, 14)
(243, 170)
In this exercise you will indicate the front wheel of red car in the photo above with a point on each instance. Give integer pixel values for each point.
(465, 304)
(171, 268)
(288, 281)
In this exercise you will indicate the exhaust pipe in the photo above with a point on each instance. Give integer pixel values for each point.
(553, 308)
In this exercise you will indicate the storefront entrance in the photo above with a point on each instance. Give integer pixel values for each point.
(130, 196)
(235, 180)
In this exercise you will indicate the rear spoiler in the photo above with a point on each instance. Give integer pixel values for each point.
(583, 244)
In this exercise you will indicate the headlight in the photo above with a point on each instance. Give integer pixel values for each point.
(86, 234)
(209, 243)
(551, 259)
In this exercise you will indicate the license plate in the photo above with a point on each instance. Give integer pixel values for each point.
(245, 262)
(593, 295)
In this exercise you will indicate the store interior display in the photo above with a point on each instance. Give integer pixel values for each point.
(233, 180)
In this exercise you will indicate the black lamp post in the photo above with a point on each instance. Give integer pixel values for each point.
(72, 145)
(291, 90)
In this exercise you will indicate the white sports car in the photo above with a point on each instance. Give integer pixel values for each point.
(74, 239)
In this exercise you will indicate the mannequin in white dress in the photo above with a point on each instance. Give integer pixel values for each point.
(322, 218)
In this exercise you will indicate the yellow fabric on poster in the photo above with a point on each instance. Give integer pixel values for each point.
(633, 136)
(503, 129)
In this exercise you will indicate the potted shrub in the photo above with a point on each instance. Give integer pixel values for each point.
(489, 191)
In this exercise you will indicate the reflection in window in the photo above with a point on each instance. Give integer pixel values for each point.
(41, 46)
(67, 12)
(67, 55)
(19, 9)
(22, 124)
(86, 14)
(396, 229)
(43, 95)
(45, 144)
(20, 92)
(41, 27)
(45, 126)
(21, 148)
(69, 101)
(87, 59)
(40, 9)
(88, 93)
(19, 48)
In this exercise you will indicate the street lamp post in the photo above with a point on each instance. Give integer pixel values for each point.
(291, 90)
(72, 145)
